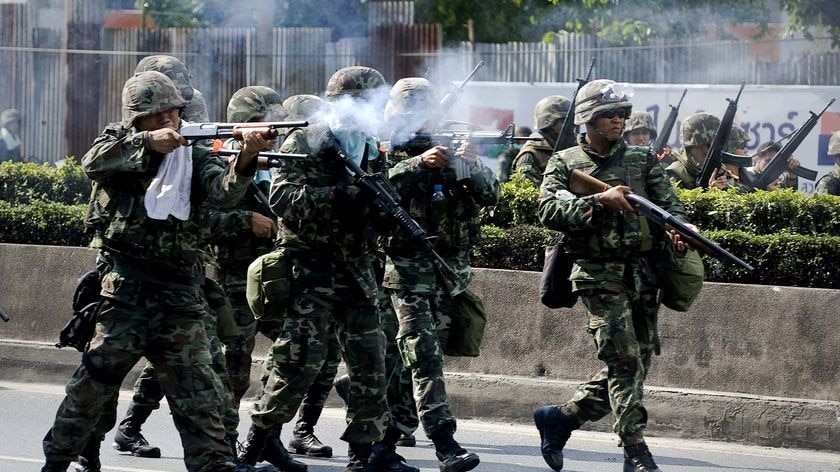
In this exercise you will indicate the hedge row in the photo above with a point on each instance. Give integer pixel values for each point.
(29, 182)
(43, 223)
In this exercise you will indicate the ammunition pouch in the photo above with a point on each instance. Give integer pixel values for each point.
(268, 289)
(681, 277)
(467, 328)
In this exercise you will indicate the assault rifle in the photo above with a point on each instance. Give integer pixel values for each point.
(265, 160)
(268, 130)
(567, 133)
(713, 160)
(452, 97)
(779, 163)
(453, 138)
(663, 137)
(581, 183)
(386, 198)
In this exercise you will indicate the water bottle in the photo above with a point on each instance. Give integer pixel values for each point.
(437, 194)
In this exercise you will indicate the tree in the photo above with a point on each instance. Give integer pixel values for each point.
(806, 14)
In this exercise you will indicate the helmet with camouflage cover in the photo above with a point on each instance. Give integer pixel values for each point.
(641, 120)
(601, 95)
(255, 103)
(303, 107)
(196, 109)
(171, 67)
(148, 93)
(834, 144)
(354, 81)
(550, 109)
(699, 129)
(412, 97)
(737, 139)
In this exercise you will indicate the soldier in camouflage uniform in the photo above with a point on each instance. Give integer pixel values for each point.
(697, 133)
(829, 184)
(506, 158)
(421, 298)
(614, 274)
(766, 151)
(153, 305)
(549, 114)
(326, 232)
(640, 130)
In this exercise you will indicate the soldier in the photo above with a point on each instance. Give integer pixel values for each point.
(549, 114)
(766, 151)
(152, 302)
(614, 274)
(829, 184)
(640, 130)
(697, 133)
(443, 196)
(10, 136)
(325, 230)
(506, 158)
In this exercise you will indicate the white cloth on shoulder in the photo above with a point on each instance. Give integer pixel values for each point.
(169, 192)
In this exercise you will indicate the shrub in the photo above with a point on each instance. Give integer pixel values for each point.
(24, 183)
(43, 223)
(517, 248)
(517, 204)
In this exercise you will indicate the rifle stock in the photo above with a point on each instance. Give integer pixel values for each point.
(663, 137)
(713, 157)
(581, 183)
(567, 132)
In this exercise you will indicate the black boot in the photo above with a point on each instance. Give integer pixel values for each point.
(342, 388)
(230, 439)
(89, 457)
(304, 440)
(452, 457)
(55, 466)
(384, 457)
(252, 450)
(407, 440)
(555, 424)
(128, 437)
(359, 455)
(637, 458)
(276, 454)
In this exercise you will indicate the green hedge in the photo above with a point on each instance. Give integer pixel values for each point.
(29, 182)
(43, 223)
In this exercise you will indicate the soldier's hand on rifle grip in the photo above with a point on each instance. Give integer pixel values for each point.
(680, 245)
(165, 140)
(792, 163)
(613, 199)
(468, 152)
(718, 182)
(435, 158)
(263, 226)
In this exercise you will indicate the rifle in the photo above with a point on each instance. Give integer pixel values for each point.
(667, 127)
(386, 198)
(581, 183)
(453, 138)
(265, 160)
(569, 122)
(713, 157)
(778, 163)
(196, 131)
(452, 97)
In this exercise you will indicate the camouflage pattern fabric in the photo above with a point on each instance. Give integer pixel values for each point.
(353, 81)
(613, 273)
(412, 96)
(532, 159)
(699, 129)
(400, 387)
(683, 171)
(146, 94)
(736, 140)
(829, 184)
(255, 103)
(303, 107)
(550, 109)
(173, 68)
(196, 109)
(640, 120)
(597, 96)
(834, 144)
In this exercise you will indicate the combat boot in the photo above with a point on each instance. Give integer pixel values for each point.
(89, 457)
(637, 458)
(451, 456)
(342, 388)
(252, 450)
(407, 440)
(384, 457)
(304, 440)
(276, 454)
(555, 424)
(128, 437)
(359, 455)
(55, 466)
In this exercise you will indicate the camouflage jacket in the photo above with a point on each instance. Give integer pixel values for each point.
(532, 159)
(303, 197)
(122, 167)
(595, 234)
(683, 171)
(829, 184)
(453, 222)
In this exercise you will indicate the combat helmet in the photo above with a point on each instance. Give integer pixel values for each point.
(148, 93)
(834, 144)
(255, 103)
(303, 107)
(641, 120)
(196, 109)
(412, 96)
(171, 67)
(354, 81)
(699, 129)
(737, 139)
(601, 95)
(550, 109)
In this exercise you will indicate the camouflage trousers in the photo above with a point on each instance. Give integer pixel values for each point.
(326, 293)
(164, 324)
(623, 323)
(424, 320)
(400, 390)
(238, 351)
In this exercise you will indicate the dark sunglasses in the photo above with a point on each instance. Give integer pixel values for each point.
(610, 114)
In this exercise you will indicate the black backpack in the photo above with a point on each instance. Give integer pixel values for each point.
(86, 304)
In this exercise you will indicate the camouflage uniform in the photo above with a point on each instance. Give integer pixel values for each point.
(153, 303)
(697, 129)
(829, 184)
(640, 120)
(614, 274)
(533, 156)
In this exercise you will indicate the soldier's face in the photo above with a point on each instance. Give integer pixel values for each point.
(611, 124)
(639, 137)
(165, 119)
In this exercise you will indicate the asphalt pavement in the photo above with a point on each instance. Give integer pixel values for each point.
(27, 411)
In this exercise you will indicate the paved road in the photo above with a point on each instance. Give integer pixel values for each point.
(27, 411)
